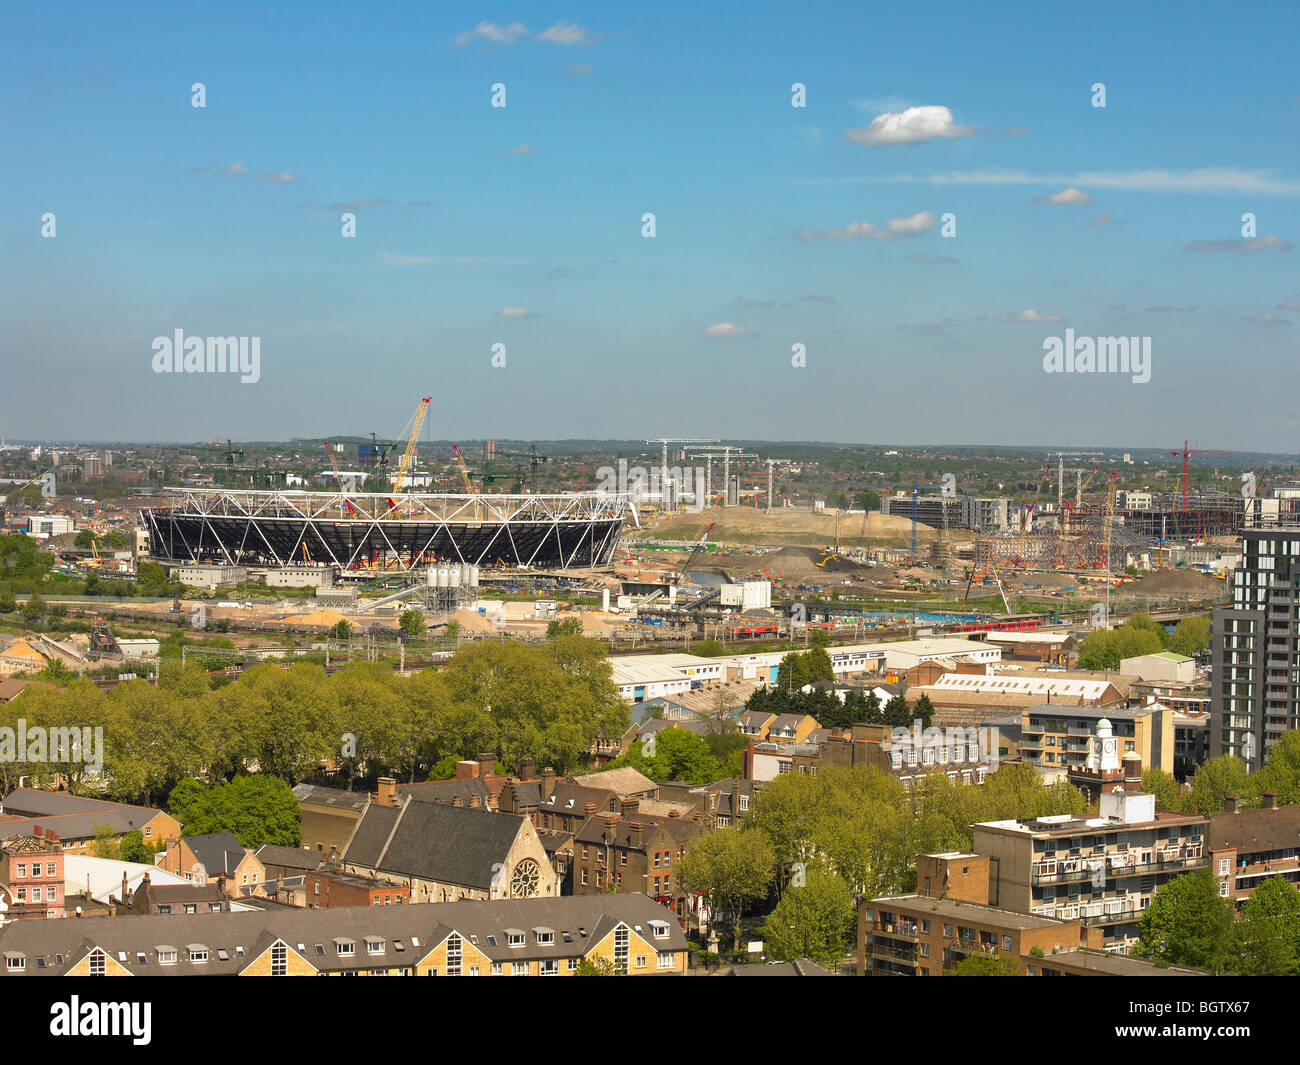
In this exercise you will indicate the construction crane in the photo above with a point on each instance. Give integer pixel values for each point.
(1060, 470)
(1105, 536)
(408, 456)
(1187, 452)
(329, 450)
(464, 470)
(699, 546)
(22, 488)
(535, 459)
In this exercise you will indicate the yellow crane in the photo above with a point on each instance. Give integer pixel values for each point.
(464, 470)
(408, 456)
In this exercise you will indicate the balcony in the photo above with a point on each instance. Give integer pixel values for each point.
(1112, 870)
(907, 957)
(896, 929)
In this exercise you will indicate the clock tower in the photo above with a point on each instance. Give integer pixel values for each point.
(1103, 752)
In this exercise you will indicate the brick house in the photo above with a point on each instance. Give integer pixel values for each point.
(31, 869)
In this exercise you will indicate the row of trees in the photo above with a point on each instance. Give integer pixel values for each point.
(1188, 923)
(823, 842)
(1139, 635)
(1216, 780)
(550, 702)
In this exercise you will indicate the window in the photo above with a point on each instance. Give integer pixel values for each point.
(1223, 866)
(620, 949)
(346, 947)
(98, 963)
(664, 959)
(198, 955)
(659, 929)
(21, 870)
(279, 959)
(1223, 890)
(164, 908)
(374, 945)
(640, 961)
(15, 962)
(496, 968)
(1006, 942)
(49, 868)
(548, 967)
(514, 938)
(545, 937)
(454, 954)
(166, 955)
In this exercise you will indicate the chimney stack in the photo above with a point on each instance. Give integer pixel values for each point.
(467, 770)
(1230, 804)
(674, 812)
(487, 764)
(630, 806)
(387, 794)
(590, 808)
(1133, 773)
(528, 769)
(548, 783)
(610, 822)
(1270, 800)
(635, 838)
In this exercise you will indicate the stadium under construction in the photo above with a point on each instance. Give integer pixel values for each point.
(368, 532)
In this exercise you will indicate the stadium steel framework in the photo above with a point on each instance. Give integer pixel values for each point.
(368, 531)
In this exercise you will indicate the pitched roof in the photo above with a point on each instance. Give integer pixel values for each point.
(288, 857)
(433, 841)
(30, 802)
(344, 800)
(218, 852)
(625, 782)
(404, 934)
(447, 790)
(1249, 831)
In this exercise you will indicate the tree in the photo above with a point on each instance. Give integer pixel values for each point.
(8, 604)
(1187, 923)
(1106, 648)
(678, 755)
(733, 867)
(34, 607)
(132, 848)
(1190, 637)
(984, 965)
(819, 638)
(897, 713)
(1268, 934)
(1216, 780)
(596, 966)
(257, 809)
(813, 921)
(183, 799)
(566, 627)
(340, 630)
(1281, 773)
(56, 672)
(84, 538)
(412, 624)
(923, 709)
(1165, 788)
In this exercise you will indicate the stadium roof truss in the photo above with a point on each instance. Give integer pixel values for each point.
(353, 530)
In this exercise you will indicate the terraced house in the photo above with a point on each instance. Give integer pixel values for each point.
(629, 934)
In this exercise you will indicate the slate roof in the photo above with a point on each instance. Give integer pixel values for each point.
(625, 782)
(446, 790)
(218, 852)
(1250, 831)
(344, 800)
(288, 857)
(433, 841)
(33, 802)
(407, 933)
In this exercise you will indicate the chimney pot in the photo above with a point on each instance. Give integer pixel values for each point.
(590, 808)
(1270, 800)
(487, 764)
(1230, 804)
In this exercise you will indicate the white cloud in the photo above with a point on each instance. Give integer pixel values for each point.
(1269, 318)
(1068, 197)
(488, 31)
(235, 169)
(912, 126)
(894, 229)
(1015, 131)
(1289, 305)
(277, 177)
(523, 149)
(1265, 243)
(1205, 180)
(387, 258)
(1031, 316)
(745, 301)
(1103, 219)
(357, 205)
(516, 313)
(564, 33)
(726, 331)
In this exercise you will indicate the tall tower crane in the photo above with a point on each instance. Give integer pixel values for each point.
(464, 470)
(1187, 452)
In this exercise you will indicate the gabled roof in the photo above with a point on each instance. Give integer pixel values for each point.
(433, 841)
(625, 782)
(288, 857)
(218, 852)
(30, 802)
(344, 800)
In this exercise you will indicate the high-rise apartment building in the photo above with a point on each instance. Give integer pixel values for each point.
(1255, 695)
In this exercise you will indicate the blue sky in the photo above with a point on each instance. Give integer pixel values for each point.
(522, 225)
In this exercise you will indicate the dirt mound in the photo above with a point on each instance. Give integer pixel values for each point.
(1177, 582)
(788, 525)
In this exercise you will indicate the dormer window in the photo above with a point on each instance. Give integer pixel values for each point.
(167, 955)
(545, 937)
(346, 948)
(659, 929)
(514, 937)
(374, 945)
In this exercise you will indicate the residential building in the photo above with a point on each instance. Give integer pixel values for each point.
(1100, 870)
(75, 819)
(215, 856)
(1057, 735)
(31, 869)
(329, 887)
(1246, 847)
(168, 899)
(1255, 648)
(629, 933)
(329, 816)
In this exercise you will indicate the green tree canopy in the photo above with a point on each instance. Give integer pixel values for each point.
(257, 809)
(814, 920)
(1187, 923)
